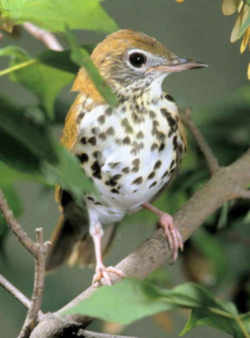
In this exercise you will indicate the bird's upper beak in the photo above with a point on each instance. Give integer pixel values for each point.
(178, 65)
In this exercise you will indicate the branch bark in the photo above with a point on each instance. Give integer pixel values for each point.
(14, 292)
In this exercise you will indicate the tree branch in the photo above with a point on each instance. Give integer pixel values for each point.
(202, 143)
(90, 334)
(53, 326)
(46, 37)
(36, 301)
(14, 292)
(155, 251)
(16, 227)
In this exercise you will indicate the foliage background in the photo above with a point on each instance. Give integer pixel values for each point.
(192, 29)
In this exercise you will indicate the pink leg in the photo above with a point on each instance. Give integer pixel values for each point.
(101, 275)
(173, 235)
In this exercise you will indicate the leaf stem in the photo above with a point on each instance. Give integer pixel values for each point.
(235, 317)
(241, 326)
(17, 67)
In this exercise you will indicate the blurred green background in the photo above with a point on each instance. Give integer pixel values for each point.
(195, 29)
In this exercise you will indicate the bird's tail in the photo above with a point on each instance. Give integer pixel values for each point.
(71, 242)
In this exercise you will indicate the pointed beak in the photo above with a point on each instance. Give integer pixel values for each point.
(180, 64)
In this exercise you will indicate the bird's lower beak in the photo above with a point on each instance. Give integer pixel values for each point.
(180, 64)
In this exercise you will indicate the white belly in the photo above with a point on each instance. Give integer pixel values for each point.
(140, 167)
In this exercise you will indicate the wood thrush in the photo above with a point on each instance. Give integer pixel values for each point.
(131, 152)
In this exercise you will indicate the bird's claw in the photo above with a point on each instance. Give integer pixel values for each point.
(172, 233)
(102, 275)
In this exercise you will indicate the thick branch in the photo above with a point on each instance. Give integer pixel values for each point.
(54, 326)
(202, 143)
(222, 187)
(46, 37)
(16, 227)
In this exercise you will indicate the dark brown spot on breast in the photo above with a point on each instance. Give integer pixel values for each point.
(138, 180)
(83, 157)
(83, 140)
(92, 140)
(126, 170)
(113, 180)
(90, 198)
(96, 169)
(171, 120)
(154, 146)
(102, 136)
(96, 154)
(140, 134)
(173, 162)
(108, 111)
(152, 114)
(151, 175)
(113, 164)
(169, 98)
(175, 142)
(125, 123)
(157, 164)
(126, 140)
(80, 117)
(161, 146)
(114, 191)
(165, 174)
(153, 184)
(136, 162)
(110, 131)
(101, 119)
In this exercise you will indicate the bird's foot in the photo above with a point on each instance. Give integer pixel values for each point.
(102, 275)
(173, 235)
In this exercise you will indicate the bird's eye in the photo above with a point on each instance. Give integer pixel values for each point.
(137, 59)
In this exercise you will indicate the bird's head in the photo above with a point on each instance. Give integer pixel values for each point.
(131, 59)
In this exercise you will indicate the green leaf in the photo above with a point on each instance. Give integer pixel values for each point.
(130, 300)
(42, 80)
(34, 136)
(68, 173)
(81, 57)
(54, 15)
(124, 302)
(28, 147)
(18, 170)
(245, 318)
(245, 25)
(201, 317)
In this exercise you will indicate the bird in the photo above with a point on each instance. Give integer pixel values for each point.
(131, 152)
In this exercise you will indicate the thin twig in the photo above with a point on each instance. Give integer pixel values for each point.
(90, 334)
(46, 37)
(36, 300)
(202, 143)
(16, 227)
(14, 292)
